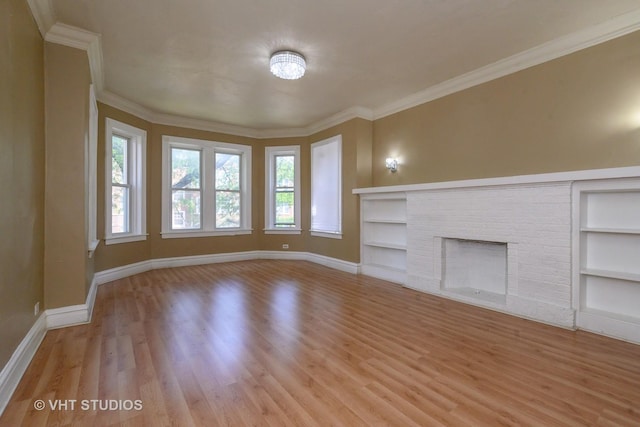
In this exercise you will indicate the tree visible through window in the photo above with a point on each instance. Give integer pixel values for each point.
(125, 192)
(227, 187)
(206, 188)
(285, 191)
(120, 194)
(282, 189)
(185, 188)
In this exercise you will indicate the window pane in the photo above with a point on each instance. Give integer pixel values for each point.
(185, 209)
(285, 212)
(185, 168)
(227, 171)
(119, 210)
(227, 209)
(119, 150)
(326, 186)
(285, 171)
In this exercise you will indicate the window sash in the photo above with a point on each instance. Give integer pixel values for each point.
(231, 188)
(326, 186)
(126, 209)
(130, 224)
(225, 201)
(282, 189)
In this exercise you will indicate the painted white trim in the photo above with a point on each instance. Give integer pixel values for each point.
(338, 118)
(117, 273)
(136, 179)
(178, 234)
(608, 30)
(67, 316)
(82, 39)
(131, 107)
(325, 234)
(208, 150)
(44, 16)
(203, 259)
(70, 36)
(593, 320)
(74, 314)
(128, 238)
(583, 175)
(78, 38)
(15, 368)
(270, 154)
(596, 322)
(13, 371)
(282, 231)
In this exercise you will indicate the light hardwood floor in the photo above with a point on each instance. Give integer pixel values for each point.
(282, 343)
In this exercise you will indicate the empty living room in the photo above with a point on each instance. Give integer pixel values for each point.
(362, 213)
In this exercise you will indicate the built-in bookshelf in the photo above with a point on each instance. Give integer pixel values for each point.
(608, 249)
(384, 236)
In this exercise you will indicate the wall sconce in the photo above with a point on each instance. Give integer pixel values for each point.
(392, 164)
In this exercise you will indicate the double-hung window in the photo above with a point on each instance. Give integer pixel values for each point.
(326, 188)
(125, 167)
(282, 190)
(206, 188)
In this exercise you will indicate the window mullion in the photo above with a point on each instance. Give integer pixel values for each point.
(207, 188)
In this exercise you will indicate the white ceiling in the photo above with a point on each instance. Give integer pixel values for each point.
(208, 59)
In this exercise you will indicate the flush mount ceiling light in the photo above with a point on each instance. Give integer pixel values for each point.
(287, 64)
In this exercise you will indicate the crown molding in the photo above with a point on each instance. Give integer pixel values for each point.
(608, 30)
(78, 38)
(91, 42)
(43, 15)
(341, 117)
(117, 101)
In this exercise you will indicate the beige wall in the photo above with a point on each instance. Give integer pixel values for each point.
(569, 114)
(21, 173)
(356, 136)
(111, 256)
(66, 263)
(578, 112)
(356, 149)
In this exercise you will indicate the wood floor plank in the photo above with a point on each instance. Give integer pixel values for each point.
(288, 343)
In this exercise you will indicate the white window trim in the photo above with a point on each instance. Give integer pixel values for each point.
(138, 208)
(269, 203)
(92, 174)
(207, 175)
(328, 233)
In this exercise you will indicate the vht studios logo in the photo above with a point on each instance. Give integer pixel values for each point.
(88, 405)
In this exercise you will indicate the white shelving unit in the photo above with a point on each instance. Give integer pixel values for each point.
(384, 236)
(607, 291)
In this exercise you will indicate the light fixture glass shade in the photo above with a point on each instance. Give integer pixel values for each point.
(287, 65)
(391, 164)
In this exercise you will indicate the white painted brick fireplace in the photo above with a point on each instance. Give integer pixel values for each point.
(533, 220)
(560, 248)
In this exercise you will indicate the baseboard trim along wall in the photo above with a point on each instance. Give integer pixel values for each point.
(80, 314)
(11, 374)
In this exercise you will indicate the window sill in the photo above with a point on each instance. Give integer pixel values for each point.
(125, 239)
(327, 234)
(93, 244)
(199, 233)
(282, 231)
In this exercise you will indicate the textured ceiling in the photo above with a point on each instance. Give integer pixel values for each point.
(208, 59)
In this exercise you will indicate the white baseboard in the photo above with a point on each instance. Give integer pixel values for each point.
(79, 314)
(12, 372)
(73, 314)
(117, 273)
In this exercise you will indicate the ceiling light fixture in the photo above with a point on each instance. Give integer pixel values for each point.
(287, 64)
